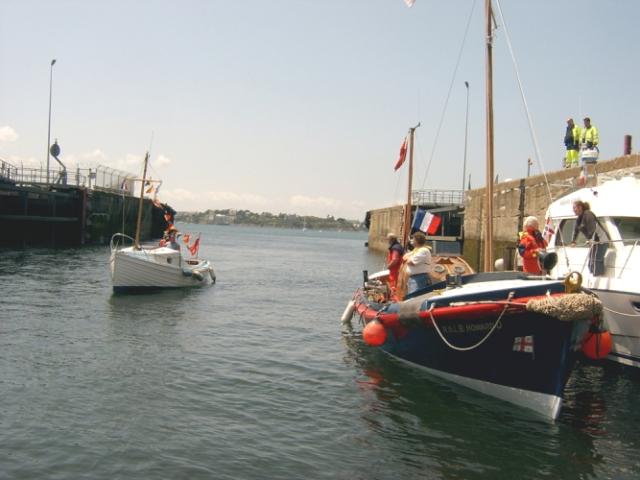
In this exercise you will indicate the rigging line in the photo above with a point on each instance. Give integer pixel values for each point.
(532, 131)
(446, 102)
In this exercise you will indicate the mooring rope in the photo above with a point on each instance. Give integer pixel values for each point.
(484, 339)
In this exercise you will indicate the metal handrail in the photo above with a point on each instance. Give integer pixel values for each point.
(589, 243)
(440, 197)
(101, 178)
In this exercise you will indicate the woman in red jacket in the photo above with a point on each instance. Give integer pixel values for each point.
(531, 245)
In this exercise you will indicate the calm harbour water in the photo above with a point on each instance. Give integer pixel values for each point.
(254, 378)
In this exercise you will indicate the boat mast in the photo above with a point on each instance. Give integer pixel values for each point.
(406, 224)
(138, 224)
(488, 242)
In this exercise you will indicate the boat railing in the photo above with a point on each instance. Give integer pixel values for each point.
(115, 244)
(633, 243)
(626, 260)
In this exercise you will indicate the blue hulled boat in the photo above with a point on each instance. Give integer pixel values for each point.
(505, 334)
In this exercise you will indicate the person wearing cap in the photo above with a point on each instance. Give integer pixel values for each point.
(572, 143)
(394, 259)
(531, 245)
(418, 263)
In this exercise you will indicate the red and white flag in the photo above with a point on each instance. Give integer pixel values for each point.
(523, 344)
(402, 156)
(409, 3)
(193, 249)
(549, 230)
(430, 223)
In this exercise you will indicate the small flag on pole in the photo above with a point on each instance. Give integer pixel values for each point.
(409, 3)
(402, 156)
(193, 249)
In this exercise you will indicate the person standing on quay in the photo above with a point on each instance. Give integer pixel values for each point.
(572, 143)
(590, 137)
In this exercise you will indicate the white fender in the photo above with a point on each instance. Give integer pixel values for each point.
(348, 312)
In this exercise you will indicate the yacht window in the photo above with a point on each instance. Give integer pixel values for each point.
(628, 227)
(565, 231)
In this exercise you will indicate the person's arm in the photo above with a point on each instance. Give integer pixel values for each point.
(589, 220)
(420, 256)
(576, 230)
(530, 247)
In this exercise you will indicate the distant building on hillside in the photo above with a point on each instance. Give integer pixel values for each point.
(220, 219)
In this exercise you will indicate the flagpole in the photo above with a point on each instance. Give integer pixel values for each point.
(406, 224)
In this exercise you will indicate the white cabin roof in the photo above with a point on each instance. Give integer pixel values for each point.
(614, 198)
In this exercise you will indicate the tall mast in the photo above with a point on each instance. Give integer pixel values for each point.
(488, 241)
(406, 224)
(139, 223)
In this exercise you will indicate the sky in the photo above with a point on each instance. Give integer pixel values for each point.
(300, 106)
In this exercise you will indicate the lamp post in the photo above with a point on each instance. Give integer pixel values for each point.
(466, 128)
(53, 62)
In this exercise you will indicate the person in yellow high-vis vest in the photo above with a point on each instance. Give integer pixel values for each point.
(572, 142)
(590, 138)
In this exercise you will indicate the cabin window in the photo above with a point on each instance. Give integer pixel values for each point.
(565, 231)
(628, 227)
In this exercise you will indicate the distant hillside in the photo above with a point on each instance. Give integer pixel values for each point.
(266, 219)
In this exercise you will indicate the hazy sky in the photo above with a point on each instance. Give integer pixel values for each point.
(300, 106)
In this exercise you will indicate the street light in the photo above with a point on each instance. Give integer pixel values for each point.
(53, 62)
(466, 128)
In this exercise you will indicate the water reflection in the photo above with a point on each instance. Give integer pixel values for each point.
(457, 433)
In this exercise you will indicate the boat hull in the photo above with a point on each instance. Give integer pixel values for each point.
(131, 272)
(622, 319)
(513, 354)
(533, 379)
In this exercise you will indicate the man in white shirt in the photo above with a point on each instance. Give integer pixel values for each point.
(418, 264)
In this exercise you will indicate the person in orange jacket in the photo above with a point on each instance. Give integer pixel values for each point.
(394, 259)
(530, 246)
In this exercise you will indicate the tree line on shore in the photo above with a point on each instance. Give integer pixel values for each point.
(266, 219)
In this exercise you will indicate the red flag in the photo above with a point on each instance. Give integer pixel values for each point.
(403, 155)
(194, 248)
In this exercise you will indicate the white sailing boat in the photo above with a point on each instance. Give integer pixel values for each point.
(137, 267)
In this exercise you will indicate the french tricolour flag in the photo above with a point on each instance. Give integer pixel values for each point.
(426, 222)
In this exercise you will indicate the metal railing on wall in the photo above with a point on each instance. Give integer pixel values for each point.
(99, 178)
(437, 197)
